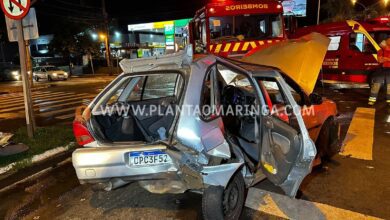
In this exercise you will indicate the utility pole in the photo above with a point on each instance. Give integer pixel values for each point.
(107, 33)
(26, 86)
(319, 12)
(29, 63)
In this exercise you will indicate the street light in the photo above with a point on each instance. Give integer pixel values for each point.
(94, 36)
(104, 38)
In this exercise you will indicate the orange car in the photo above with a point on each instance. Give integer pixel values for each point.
(301, 61)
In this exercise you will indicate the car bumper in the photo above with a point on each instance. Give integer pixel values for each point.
(59, 77)
(110, 162)
(184, 172)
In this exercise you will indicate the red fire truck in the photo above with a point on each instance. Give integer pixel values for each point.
(352, 54)
(231, 28)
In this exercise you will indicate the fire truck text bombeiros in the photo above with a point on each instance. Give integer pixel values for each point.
(246, 7)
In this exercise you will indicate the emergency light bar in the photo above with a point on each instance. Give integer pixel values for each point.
(179, 59)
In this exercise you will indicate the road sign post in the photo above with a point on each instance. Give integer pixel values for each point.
(26, 85)
(17, 10)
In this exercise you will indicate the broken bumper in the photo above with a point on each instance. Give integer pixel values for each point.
(183, 172)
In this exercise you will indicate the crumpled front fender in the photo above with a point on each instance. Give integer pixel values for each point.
(220, 175)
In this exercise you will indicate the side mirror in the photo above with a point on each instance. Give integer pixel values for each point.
(315, 99)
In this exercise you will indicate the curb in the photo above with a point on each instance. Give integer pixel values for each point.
(12, 178)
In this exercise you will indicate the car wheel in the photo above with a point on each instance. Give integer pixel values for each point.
(49, 78)
(328, 143)
(225, 204)
(36, 78)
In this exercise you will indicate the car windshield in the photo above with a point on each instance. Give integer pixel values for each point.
(380, 36)
(51, 68)
(245, 27)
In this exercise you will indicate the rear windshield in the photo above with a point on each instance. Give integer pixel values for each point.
(146, 87)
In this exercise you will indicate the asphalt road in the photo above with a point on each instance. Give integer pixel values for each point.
(346, 187)
(53, 105)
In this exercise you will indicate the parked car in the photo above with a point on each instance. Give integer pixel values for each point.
(10, 72)
(164, 123)
(49, 73)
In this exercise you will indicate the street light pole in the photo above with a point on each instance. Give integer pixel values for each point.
(107, 33)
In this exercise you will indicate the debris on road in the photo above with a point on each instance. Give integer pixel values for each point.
(4, 138)
(7, 147)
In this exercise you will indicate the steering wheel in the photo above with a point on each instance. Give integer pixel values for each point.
(231, 95)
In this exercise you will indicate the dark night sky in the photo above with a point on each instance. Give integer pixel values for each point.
(127, 11)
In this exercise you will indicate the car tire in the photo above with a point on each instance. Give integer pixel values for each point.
(49, 79)
(328, 143)
(36, 78)
(224, 204)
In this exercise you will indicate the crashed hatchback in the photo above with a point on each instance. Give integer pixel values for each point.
(174, 125)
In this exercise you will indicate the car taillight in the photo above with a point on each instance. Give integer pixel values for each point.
(81, 133)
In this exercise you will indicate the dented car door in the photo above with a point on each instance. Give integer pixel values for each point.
(287, 151)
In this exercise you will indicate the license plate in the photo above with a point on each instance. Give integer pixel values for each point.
(149, 158)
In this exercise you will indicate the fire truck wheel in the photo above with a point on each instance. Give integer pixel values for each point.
(224, 204)
(328, 143)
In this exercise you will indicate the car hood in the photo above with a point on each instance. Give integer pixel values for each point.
(300, 59)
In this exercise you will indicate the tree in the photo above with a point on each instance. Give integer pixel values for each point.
(72, 40)
(338, 10)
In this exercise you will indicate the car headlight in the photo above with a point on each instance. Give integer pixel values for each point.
(15, 73)
(54, 74)
(65, 74)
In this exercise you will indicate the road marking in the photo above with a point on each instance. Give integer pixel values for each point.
(86, 96)
(21, 99)
(46, 105)
(46, 114)
(59, 97)
(44, 108)
(63, 117)
(7, 106)
(360, 136)
(285, 207)
(33, 95)
(47, 108)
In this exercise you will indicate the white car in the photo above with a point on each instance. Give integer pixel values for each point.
(49, 73)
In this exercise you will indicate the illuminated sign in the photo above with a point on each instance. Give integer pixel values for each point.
(140, 27)
(295, 7)
(169, 29)
(246, 7)
(168, 26)
(170, 40)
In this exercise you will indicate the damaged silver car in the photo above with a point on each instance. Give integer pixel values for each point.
(175, 125)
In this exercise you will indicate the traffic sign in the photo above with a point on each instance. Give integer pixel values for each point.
(30, 27)
(15, 9)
